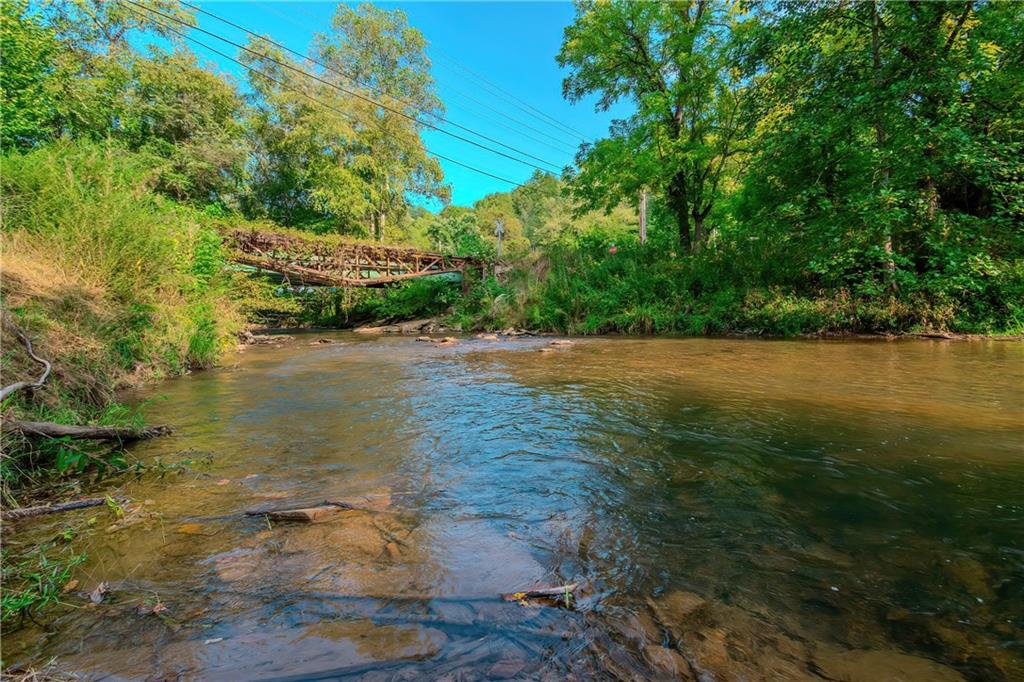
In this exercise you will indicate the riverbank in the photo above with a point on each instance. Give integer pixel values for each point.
(583, 289)
(112, 283)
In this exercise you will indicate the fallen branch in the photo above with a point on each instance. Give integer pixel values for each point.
(312, 514)
(17, 386)
(54, 430)
(561, 592)
(26, 512)
(305, 515)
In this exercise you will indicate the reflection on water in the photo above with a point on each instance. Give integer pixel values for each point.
(736, 510)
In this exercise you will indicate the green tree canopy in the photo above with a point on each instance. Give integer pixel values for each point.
(674, 62)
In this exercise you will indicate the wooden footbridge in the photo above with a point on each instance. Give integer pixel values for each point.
(322, 262)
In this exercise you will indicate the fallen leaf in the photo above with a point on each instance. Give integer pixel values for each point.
(70, 585)
(159, 608)
(224, 481)
(191, 528)
(97, 595)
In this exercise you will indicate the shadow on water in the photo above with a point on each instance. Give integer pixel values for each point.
(734, 509)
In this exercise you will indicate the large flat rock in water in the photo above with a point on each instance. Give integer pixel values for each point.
(872, 665)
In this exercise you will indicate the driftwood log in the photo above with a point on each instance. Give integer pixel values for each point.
(304, 515)
(82, 432)
(54, 430)
(19, 385)
(26, 512)
(319, 512)
(542, 593)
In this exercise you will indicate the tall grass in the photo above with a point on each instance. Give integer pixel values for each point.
(113, 282)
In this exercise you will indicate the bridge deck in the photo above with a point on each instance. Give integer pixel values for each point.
(318, 262)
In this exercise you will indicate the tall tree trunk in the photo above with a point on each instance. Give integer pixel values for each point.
(679, 203)
(876, 60)
(698, 233)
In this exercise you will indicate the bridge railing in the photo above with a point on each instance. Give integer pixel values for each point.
(315, 261)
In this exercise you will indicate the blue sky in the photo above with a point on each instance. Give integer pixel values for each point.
(510, 44)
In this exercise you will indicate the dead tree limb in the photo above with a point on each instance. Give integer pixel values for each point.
(550, 592)
(313, 514)
(17, 386)
(54, 430)
(26, 512)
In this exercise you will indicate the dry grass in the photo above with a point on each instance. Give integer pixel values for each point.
(31, 277)
(47, 673)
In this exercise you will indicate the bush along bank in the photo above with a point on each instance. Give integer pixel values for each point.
(582, 288)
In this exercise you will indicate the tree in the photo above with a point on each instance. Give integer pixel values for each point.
(376, 52)
(673, 61)
(538, 203)
(455, 230)
(889, 136)
(27, 109)
(307, 158)
(189, 116)
(99, 49)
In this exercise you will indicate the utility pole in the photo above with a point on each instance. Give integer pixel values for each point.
(643, 217)
(499, 232)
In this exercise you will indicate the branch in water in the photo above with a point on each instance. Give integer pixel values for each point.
(25, 512)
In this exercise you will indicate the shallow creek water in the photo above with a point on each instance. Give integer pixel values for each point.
(733, 509)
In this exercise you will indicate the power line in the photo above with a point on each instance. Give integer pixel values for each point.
(509, 97)
(463, 95)
(562, 147)
(319, 101)
(356, 81)
(542, 117)
(338, 87)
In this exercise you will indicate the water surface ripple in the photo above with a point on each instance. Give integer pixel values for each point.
(735, 509)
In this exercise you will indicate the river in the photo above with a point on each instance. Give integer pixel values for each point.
(731, 509)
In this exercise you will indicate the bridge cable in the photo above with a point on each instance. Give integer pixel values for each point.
(319, 101)
(338, 87)
(357, 81)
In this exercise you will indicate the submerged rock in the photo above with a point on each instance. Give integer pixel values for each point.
(248, 338)
(722, 642)
(418, 326)
(667, 662)
(973, 576)
(871, 665)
